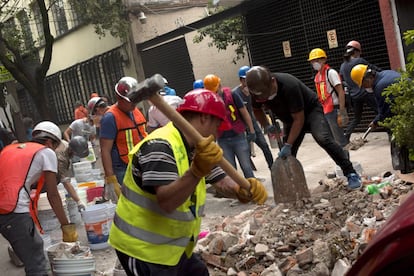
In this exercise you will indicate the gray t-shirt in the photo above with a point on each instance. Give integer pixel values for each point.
(82, 127)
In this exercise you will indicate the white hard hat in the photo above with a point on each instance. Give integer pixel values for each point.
(124, 86)
(95, 101)
(47, 129)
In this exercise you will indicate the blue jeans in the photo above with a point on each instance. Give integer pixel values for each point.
(262, 144)
(237, 146)
(316, 123)
(337, 131)
(119, 172)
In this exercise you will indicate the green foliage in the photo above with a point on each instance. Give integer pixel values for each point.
(105, 15)
(224, 33)
(400, 96)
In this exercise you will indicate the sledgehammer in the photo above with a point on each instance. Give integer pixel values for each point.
(148, 90)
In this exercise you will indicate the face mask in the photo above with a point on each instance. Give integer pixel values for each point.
(317, 66)
(369, 90)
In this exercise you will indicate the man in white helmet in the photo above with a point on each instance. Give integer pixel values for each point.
(122, 127)
(155, 117)
(25, 164)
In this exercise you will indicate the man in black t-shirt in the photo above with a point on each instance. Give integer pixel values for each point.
(6, 137)
(297, 106)
(247, 99)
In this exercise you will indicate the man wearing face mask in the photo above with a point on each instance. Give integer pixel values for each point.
(297, 106)
(330, 94)
(359, 96)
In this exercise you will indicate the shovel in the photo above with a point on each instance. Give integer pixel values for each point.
(288, 178)
(366, 133)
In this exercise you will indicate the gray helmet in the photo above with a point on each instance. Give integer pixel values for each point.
(79, 146)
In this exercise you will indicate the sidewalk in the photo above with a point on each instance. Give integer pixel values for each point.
(374, 158)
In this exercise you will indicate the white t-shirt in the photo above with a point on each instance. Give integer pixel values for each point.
(335, 79)
(44, 160)
(156, 118)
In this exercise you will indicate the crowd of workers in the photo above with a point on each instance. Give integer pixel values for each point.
(163, 173)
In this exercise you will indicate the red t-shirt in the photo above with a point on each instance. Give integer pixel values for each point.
(81, 112)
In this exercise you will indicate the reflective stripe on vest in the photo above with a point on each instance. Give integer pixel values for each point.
(151, 234)
(324, 96)
(155, 207)
(130, 132)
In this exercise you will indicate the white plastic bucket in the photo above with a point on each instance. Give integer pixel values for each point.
(74, 267)
(98, 219)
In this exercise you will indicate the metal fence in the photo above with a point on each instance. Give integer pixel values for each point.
(76, 83)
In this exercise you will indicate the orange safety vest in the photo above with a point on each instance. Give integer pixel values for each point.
(325, 98)
(15, 162)
(130, 132)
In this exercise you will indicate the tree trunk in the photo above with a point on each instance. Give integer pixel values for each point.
(42, 102)
(19, 130)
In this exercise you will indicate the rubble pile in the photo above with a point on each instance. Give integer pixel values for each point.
(321, 235)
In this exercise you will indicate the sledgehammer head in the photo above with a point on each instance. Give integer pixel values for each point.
(146, 89)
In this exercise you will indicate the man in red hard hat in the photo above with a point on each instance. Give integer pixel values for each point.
(359, 96)
(158, 216)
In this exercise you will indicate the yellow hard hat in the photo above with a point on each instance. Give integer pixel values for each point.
(211, 82)
(358, 73)
(317, 53)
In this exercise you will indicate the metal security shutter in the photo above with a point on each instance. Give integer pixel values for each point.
(172, 61)
(305, 24)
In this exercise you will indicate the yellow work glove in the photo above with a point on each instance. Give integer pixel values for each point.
(207, 155)
(69, 233)
(112, 188)
(256, 194)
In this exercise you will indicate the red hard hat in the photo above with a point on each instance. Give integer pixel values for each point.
(354, 44)
(205, 101)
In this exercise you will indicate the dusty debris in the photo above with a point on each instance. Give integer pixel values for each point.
(355, 143)
(321, 235)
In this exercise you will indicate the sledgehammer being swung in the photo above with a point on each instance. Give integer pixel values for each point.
(148, 90)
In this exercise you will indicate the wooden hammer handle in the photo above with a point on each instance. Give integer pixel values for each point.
(191, 132)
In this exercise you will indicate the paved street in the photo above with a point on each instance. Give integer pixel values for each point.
(374, 158)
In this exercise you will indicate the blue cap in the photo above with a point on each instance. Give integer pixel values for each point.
(169, 91)
(198, 84)
(242, 71)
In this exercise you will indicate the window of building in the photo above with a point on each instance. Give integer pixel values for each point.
(76, 18)
(39, 26)
(59, 17)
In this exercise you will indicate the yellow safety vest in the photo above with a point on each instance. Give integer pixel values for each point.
(141, 229)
